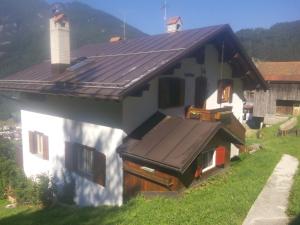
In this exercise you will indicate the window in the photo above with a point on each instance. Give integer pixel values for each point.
(171, 92)
(225, 91)
(208, 160)
(86, 162)
(38, 144)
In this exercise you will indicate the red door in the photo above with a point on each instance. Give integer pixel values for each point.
(220, 156)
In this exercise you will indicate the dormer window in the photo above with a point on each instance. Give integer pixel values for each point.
(225, 91)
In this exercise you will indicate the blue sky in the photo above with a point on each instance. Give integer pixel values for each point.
(147, 15)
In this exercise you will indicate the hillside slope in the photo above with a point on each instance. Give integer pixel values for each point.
(279, 43)
(24, 32)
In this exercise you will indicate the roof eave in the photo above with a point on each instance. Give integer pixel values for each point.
(172, 62)
(251, 64)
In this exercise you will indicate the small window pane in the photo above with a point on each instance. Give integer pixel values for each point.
(208, 160)
(85, 161)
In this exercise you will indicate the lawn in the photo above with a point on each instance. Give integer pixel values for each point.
(222, 199)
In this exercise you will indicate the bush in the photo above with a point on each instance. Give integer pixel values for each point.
(42, 191)
(14, 183)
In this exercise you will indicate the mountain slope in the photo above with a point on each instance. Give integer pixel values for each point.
(279, 43)
(24, 30)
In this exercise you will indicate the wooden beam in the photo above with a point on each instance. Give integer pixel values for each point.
(149, 176)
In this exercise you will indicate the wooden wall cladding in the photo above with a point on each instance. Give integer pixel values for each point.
(138, 180)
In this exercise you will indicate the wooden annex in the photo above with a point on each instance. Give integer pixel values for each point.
(283, 97)
(160, 160)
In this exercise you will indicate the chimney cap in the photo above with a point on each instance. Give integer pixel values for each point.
(115, 39)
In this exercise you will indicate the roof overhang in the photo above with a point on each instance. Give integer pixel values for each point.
(61, 86)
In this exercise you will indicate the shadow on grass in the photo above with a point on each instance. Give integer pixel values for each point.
(65, 215)
(295, 221)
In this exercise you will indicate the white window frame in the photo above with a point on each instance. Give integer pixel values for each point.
(39, 144)
(213, 165)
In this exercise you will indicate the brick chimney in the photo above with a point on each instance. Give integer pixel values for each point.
(59, 40)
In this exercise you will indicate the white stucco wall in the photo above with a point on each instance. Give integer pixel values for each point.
(213, 74)
(58, 129)
(138, 109)
(103, 125)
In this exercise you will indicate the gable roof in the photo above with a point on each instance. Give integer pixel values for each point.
(280, 71)
(171, 142)
(114, 70)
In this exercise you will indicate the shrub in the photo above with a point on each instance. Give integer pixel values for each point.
(42, 191)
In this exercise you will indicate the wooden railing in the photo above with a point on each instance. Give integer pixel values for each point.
(224, 115)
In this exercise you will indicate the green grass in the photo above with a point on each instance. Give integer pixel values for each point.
(223, 199)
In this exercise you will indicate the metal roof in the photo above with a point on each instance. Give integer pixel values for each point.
(112, 70)
(171, 142)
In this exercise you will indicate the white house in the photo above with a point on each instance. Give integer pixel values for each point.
(77, 109)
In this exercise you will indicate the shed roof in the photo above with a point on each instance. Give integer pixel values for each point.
(171, 142)
(280, 71)
(114, 70)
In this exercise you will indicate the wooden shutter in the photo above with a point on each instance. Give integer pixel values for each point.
(171, 92)
(32, 142)
(99, 166)
(230, 84)
(220, 156)
(70, 156)
(201, 92)
(222, 84)
(45, 147)
(181, 92)
(164, 93)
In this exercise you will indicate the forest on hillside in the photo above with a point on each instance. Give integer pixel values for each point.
(24, 30)
(280, 42)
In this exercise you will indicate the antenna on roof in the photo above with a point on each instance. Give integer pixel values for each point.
(164, 8)
(124, 27)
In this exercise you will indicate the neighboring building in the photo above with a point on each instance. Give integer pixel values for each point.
(80, 113)
(283, 97)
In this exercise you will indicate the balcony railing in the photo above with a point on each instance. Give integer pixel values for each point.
(224, 115)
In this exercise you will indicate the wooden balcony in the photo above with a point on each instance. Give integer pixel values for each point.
(224, 115)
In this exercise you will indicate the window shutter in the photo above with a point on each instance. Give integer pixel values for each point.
(164, 93)
(32, 142)
(45, 148)
(220, 91)
(70, 156)
(222, 85)
(230, 83)
(201, 92)
(220, 156)
(99, 166)
(181, 92)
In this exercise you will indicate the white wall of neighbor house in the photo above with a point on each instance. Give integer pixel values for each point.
(101, 136)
